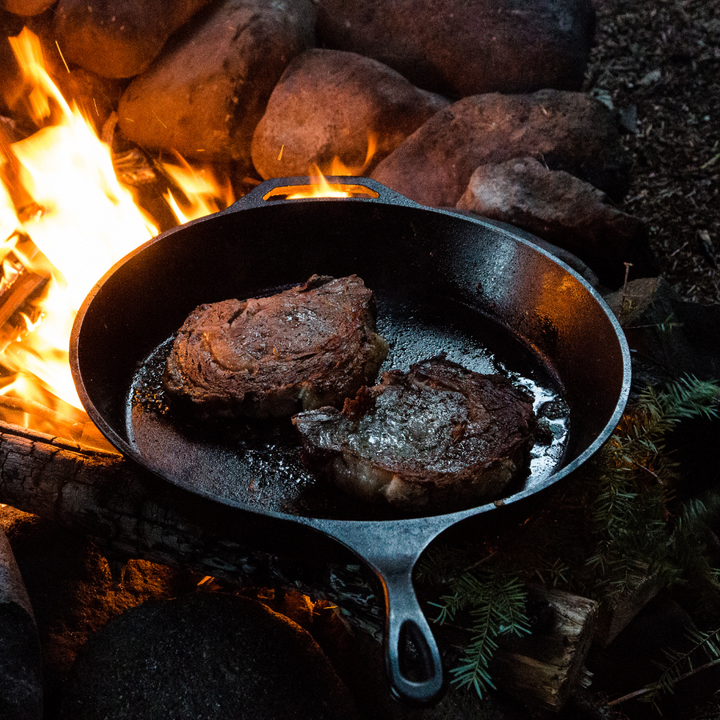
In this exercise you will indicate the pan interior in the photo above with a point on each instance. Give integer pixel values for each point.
(257, 464)
(442, 282)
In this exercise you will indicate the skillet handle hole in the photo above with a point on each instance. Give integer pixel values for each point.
(415, 656)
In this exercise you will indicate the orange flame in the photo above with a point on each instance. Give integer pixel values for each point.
(65, 219)
(320, 187)
(84, 222)
(202, 193)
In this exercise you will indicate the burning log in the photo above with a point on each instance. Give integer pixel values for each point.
(130, 513)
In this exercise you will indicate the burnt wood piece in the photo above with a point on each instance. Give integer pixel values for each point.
(18, 292)
(613, 620)
(300, 349)
(130, 513)
(548, 665)
(21, 682)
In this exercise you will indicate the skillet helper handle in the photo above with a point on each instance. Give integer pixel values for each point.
(417, 676)
(277, 190)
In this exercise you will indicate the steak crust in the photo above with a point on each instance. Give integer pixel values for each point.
(439, 436)
(304, 348)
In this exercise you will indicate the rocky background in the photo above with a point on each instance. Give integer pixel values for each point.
(416, 94)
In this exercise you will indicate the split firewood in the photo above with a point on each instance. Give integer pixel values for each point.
(21, 687)
(130, 513)
(612, 621)
(547, 665)
(16, 293)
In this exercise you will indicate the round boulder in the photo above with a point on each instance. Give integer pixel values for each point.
(331, 104)
(204, 96)
(204, 656)
(466, 47)
(118, 38)
(26, 8)
(565, 211)
(564, 130)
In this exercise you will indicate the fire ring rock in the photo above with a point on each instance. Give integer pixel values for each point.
(205, 655)
(118, 39)
(204, 95)
(327, 105)
(564, 130)
(565, 211)
(466, 47)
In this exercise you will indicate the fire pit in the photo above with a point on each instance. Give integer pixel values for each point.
(30, 405)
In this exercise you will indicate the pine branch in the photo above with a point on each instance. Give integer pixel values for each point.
(496, 605)
(680, 666)
(647, 690)
(628, 534)
(633, 536)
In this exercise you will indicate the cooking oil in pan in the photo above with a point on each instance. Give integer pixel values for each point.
(258, 465)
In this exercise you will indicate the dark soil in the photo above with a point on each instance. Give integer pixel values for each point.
(658, 63)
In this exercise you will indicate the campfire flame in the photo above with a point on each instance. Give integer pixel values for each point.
(320, 187)
(200, 191)
(65, 219)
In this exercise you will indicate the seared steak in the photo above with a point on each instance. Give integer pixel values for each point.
(439, 436)
(303, 348)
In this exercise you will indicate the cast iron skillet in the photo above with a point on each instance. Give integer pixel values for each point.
(443, 282)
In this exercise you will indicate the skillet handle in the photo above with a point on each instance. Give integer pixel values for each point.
(276, 190)
(417, 676)
(391, 549)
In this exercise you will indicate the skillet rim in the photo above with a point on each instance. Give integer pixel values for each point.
(388, 198)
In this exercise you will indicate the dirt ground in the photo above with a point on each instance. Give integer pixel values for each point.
(658, 63)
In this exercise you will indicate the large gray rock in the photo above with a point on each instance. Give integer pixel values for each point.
(466, 47)
(327, 105)
(21, 687)
(563, 210)
(204, 656)
(205, 95)
(565, 130)
(118, 38)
